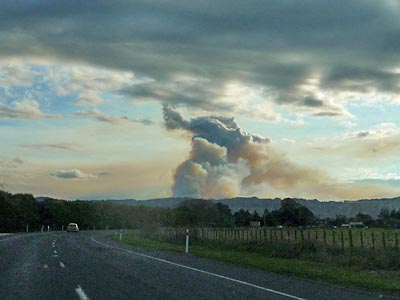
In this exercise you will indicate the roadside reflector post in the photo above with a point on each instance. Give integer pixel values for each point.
(48, 228)
(27, 228)
(120, 235)
(62, 228)
(187, 241)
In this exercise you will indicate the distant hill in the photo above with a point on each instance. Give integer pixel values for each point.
(322, 209)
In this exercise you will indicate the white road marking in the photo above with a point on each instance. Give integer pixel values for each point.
(202, 271)
(45, 266)
(55, 255)
(55, 251)
(81, 293)
(62, 264)
(9, 238)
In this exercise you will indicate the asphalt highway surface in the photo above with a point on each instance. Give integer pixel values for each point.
(91, 266)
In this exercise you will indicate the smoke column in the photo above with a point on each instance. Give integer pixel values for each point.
(225, 161)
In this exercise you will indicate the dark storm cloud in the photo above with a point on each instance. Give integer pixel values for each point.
(276, 44)
(362, 79)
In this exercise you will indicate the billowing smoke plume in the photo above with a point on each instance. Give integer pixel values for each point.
(225, 160)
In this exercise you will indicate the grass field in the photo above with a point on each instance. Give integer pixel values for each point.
(363, 268)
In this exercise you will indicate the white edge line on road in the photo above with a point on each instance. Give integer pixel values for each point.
(13, 237)
(202, 271)
(55, 251)
(81, 293)
(62, 264)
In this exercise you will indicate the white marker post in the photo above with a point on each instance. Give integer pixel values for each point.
(62, 228)
(187, 241)
(27, 228)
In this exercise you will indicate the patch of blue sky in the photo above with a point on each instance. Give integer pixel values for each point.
(118, 105)
(372, 115)
(389, 182)
(62, 104)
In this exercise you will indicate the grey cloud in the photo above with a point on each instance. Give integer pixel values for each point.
(72, 174)
(11, 163)
(104, 173)
(115, 120)
(313, 102)
(195, 93)
(362, 79)
(276, 44)
(40, 147)
(363, 134)
(328, 114)
(219, 130)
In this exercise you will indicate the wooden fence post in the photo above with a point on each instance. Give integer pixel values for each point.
(373, 241)
(342, 239)
(383, 240)
(302, 237)
(351, 240)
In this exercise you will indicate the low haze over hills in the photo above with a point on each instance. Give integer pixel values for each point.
(321, 209)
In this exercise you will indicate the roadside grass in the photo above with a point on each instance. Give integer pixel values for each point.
(331, 271)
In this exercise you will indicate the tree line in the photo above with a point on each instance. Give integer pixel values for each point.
(17, 211)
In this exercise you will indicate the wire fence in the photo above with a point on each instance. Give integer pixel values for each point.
(345, 239)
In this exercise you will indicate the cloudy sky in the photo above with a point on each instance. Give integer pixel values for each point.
(154, 98)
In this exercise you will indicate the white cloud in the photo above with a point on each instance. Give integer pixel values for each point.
(24, 109)
(87, 82)
(289, 141)
(14, 73)
(88, 98)
(297, 123)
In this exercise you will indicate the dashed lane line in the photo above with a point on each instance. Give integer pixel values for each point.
(81, 293)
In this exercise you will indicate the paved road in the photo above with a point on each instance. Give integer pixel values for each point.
(89, 266)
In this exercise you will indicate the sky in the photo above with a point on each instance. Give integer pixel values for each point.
(210, 99)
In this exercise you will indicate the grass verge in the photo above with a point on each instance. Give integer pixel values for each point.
(377, 281)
